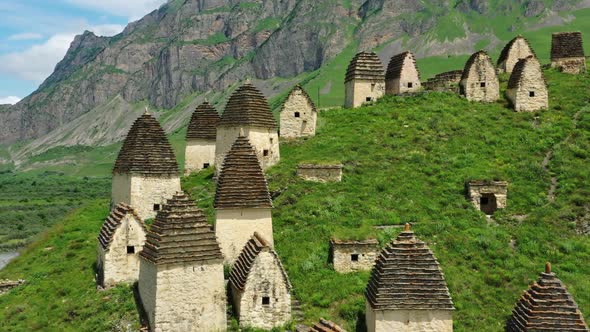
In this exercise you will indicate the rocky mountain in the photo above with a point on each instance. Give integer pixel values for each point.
(191, 47)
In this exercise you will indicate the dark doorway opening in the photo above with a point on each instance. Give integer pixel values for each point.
(488, 203)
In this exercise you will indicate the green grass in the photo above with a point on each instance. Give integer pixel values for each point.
(405, 160)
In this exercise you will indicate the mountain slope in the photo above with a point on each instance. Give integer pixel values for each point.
(405, 160)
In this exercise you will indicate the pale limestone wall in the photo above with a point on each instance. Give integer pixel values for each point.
(320, 173)
(261, 139)
(265, 280)
(520, 50)
(532, 81)
(235, 227)
(342, 257)
(303, 126)
(501, 193)
(570, 65)
(197, 153)
(115, 263)
(183, 298)
(408, 320)
(400, 85)
(481, 72)
(357, 92)
(142, 192)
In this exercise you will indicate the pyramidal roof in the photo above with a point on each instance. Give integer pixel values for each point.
(203, 124)
(181, 234)
(113, 221)
(300, 89)
(248, 107)
(471, 62)
(407, 276)
(146, 150)
(519, 70)
(506, 50)
(241, 182)
(567, 45)
(243, 265)
(365, 66)
(546, 306)
(396, 64)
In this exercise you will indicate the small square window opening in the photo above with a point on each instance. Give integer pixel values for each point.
(206, 165)
(354, 257)
(410, 84)
(130, 249)
(297, 115)
(531, 93)
(369, 99)
(265, 153)
(265, 300)
(482, 84)
(157, 207)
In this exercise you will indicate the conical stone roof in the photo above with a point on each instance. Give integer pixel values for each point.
(365, 66)
(299, 88)
(567, 45)
(203, 124)
(248, 107)
(241, 182)
(181, 234)
(146, 150)
(396, 64)
(407, 276)
(113, 221)
(518, 73)
(546, 306)
(506, 50)
(471, 62)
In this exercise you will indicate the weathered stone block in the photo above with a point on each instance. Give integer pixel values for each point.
(320, 173)
(487, 196)
(351, 256)
(298, 115)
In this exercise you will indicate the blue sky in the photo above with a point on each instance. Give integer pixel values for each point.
(35, 35)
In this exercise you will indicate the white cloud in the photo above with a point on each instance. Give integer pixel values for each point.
(26, 36)
(9, 100)
(133, 9)
(38, 61)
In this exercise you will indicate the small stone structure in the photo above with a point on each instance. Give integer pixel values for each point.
(200, 139)
(527, 89)
(7, 285)
(546, 306)
(365, 80)
(444, 82)
(479, 81)
(320, 172)
(260, 287)
(146, 172)
(181, 283)
(351, 256)
(407, 289)
(321, 326)
(518, 48)
(120, 240)
(248, 111)
(298, 115)
(567, 52)
(488, 196)
(242, 201)
(402, 75)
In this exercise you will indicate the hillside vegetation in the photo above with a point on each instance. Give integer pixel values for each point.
(405, 160)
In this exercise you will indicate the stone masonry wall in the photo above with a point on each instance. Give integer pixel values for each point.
(570, 65)
(531, 81)
(142, 192)
(235, 227)
(302, 126)
(408, 320)
(265, 280)
(116, 264)
(260, 138)
(499, 190)
(320, 173)
(519, 50)
(357, 92)
(187, 298)
(409, 74)
(197, 153)
(342, 256)
(482, 72)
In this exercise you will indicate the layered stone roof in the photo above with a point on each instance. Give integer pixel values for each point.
(567, 45)
(299, 88)
(518, 73)
(146, 150)
(248, 107)
(243, 265)
(471, 61)
(181, 234)
(396, 64)
(407, 276)
(203, 124)
(365, 66)
(506, 50)
(241, 182)
(113, 221)
(546, 306)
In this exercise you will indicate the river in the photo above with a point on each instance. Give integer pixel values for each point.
(6, 257)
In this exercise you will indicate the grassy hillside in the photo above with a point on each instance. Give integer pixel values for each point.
(405, 160)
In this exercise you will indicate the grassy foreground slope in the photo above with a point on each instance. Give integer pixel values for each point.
(405, 160)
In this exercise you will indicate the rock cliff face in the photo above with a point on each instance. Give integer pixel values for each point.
(193, 46)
